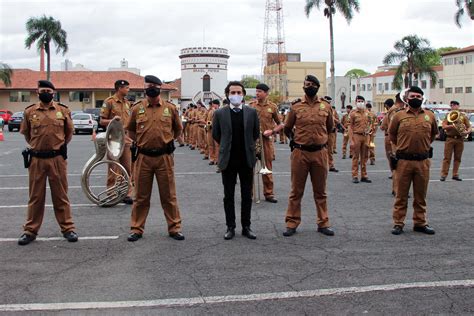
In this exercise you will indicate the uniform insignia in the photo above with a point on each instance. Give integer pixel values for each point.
(427, 118)
(322, 107)
(104, 105)
(63, 105)
(166, 112)
(269, 110)
(141, 110)
(59, 115)
(34, 115)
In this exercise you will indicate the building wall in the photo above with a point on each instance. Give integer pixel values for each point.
(459, 73)
(343, 84)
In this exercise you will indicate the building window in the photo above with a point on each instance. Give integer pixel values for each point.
(363, 87)
(353, 87)
(468, 59)
(206, 83)
(79, 96)
(459, 60)
(19, 96)
(415, 83)
(448, 61)
(458, 90)
(441, 83)
(468, 89)
(432, 85)
(423, 84)
(369, 87)
(393, 86)
(386, 86)
(194, 65)
(380, 87)
(448, 90)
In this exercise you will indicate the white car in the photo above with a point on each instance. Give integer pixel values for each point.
(84, 122)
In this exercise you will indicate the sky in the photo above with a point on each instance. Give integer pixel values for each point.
(150, 34)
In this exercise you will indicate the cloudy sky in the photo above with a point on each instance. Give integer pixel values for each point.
(150, 34)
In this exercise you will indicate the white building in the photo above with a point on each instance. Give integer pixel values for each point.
(124, 67)
(203, 74)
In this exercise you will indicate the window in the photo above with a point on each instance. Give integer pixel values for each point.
(380, 87)
(386, 87)
(468, 59)
(393, 86)
(369, 87)
(353, 87)
(448, 61)
(459, 60)
(441, 83)
(363, 87)
(432, 85)
(79, 96)
(458, 90)
(423, 84)
(468, 89)
(206, 83)
(448, 90)
(415, 83)
(19, 96)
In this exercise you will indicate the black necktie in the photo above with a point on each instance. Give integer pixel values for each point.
(236, 109)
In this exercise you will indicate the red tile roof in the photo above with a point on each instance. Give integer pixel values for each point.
(27, 79)
(460, 51)
(392, 72)
(177, 85)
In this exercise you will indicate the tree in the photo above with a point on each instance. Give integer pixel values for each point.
(356, 73)
(6, 73)
(43, 30)
(346, 7)
(249, 82)
(464, 6)
(436, 58)
(413, 55)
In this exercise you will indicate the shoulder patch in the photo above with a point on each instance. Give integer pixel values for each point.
(295, 101)
(63, 105)
(138, 102)
(29, 106)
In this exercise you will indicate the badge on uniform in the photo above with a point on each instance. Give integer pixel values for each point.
(104, 105)
(166, 112)
(141, 110)
(322, 107)
(269, 110)
(427, 118)
(59, 115)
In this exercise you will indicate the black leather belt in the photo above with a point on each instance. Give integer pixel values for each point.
(45, 154)
(455, 136)
(415, 157)
(310, 148)
(363, 134)
(153, 152)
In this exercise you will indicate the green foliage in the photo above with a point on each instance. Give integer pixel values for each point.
(356, 73)
(464, 7)
(435, 59)
(346, 7)
(249, 82)
(6, 73)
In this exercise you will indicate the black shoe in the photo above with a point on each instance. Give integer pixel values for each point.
(343, 156)
(333, 169)
(397, 230)
(366, 180)
(424, 229)
(25, 239)
(334, 152)
(390, 177)
(230, 233)
(393, 193)
(247, 232)
(211, 163)
(355, 180)
(205, 158)
(289, 232)
(456, 178)
(350, 156)
(218, 170)
(127, 200)
(271, 199)
(181, 145)
(326, 231)
(193, 148)
(134, 236)
(70, 236)
(372, 162)
(442, 179)
(177, 236)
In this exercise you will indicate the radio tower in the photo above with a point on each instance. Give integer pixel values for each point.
(273, 51)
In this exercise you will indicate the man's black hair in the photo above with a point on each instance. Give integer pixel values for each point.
(234, 83)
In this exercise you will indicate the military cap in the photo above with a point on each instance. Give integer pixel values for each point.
(368, 105)
(153, 79)
(389, 102)
(263, 87)
(416, 89)
(121, 83)
(327, 98)
(45, 84)
(215, 101)
(312, 79)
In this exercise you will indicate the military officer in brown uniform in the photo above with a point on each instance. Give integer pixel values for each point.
(454, 143)
(388, 104)
(281, 117)
(374, 123)
(267, 112)
(345, 126)
(332, 137)
(117, 108)
(213, 146)
(47, 127)
(412, 130)
(307, 126)
(360, 128)
(154, 124)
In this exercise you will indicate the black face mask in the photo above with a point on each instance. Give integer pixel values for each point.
(415, 103)
(152, 92)
(45, 97)
(311, 91)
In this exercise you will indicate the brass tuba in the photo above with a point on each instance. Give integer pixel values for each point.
(108, 149)
(455, 117)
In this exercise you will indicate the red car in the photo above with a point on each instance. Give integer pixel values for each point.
(6, 114)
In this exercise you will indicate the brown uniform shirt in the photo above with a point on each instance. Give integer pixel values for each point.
(47, 127)
(210, 115)
(311, 120)
(267, 114)
(113, 106)
(388, 117)
(453, 131)
(154, 125)
(413, 132)
(281, 117)
(345, 121)
(360, 121)
(373, 121)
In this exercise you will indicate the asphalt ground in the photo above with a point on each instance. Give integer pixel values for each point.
(363, 269)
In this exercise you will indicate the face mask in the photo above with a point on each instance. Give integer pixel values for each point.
(311, 91)
(152, 92)
(45, 97)
(360, 105)
(415, 103)
(235, 100)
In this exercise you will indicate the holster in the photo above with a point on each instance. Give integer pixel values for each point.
(170, 147)
(63, 151)
(292, 145)
(134, 150)
(430, 153)
(393, 162)
(26, 157)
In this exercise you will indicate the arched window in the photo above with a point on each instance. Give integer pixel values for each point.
(206, 83)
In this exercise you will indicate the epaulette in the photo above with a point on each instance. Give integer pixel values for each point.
(63, 105)
(430, 110)
(398, 110)
(139, 101)
(295, 101)
(29, 106)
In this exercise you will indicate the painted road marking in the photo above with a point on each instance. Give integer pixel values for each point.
(47, 205)
(208, 300)
(62, 238)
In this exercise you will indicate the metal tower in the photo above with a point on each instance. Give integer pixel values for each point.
(273, 52)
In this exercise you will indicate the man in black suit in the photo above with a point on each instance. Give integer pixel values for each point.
(236, 128)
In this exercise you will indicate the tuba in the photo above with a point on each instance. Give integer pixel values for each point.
(455, 118)
(108, 149)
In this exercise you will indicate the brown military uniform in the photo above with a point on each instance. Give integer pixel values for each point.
(454, 144)
(345, 140)
(113, 106)
(412, 134)
(361, 127)
(281, 133)
(267, 115)
(154, 127)
(311, 122)
(47, 128)
(202, 139)
(212, 145)
(332, 138)
(373, 122)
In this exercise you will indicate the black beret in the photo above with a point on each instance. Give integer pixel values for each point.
(368, 105)
(359, 97)
(153, 79)
(349, 106)
(389, 103)
(121, 83)
(215, 101)
(263, 87)
(327, 98)
(416, 89)
(312, 79)
(454, 102)
(45, 84)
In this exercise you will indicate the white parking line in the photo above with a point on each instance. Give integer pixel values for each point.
(62, 238)
(47, 187)
(47, 205)
(208, 300)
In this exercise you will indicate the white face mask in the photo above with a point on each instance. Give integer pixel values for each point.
(235, 99)
(360, 105)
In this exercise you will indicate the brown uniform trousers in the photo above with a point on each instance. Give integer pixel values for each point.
(453, 144)
(334, 143)
(331, 142)
(372, 149)
(359, 154)
(267, 179)
(213, 147)
(283, 139)
(202, 140)
(345, 141)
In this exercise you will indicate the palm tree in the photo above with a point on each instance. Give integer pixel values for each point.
(414, 57)
(43, 30)
(6, 73)
(463, 7)
(346, 7)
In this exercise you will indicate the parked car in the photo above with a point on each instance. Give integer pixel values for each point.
(15, 121)
(6, 114)
(96, 114)
(84, 122)
(76, 112)
(471, 119)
